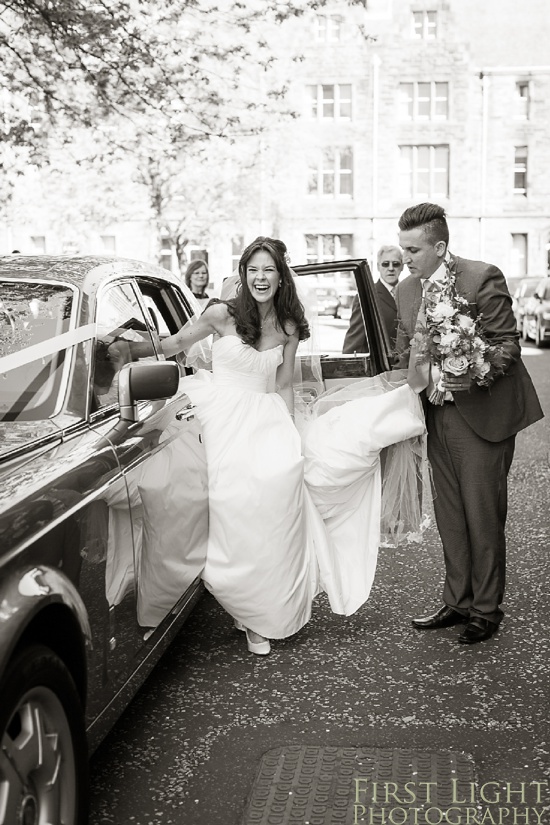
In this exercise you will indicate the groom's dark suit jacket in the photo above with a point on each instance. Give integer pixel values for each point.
(356, 340)
(510, 404)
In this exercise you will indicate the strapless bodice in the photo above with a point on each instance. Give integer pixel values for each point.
(240, 366)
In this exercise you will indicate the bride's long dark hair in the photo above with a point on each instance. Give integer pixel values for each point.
(288, 307)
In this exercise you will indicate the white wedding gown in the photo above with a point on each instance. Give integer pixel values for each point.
(277, 540)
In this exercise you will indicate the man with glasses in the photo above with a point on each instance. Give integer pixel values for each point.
(390, 267)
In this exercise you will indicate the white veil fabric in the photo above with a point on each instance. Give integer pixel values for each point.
(406, 493)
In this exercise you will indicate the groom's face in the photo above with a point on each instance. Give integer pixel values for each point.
(420, 255)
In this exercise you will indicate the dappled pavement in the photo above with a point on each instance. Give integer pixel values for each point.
(188, 749)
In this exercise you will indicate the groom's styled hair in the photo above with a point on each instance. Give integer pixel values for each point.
(430, 217)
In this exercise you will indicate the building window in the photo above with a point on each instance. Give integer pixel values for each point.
(333, 174)
(38, 244)
(424, 101)
(237, 249)
(328, 28)
(197, 253)
(330, 101)
(108, 244)
(522, 100)
(520, 170)
(424, 171)
(166, 252)
(425, 24)
(320, 248)
(519, 256)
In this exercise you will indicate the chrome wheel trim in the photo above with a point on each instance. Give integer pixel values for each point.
(37, 763)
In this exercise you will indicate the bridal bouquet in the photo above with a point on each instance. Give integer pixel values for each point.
(453, 341)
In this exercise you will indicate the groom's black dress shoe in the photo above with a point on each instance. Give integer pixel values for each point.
(477, 630)
(445, 617)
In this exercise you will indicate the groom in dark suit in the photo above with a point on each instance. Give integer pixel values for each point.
(390, 266)
(471, 436)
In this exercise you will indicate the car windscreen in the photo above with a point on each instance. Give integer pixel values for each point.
(32, 315)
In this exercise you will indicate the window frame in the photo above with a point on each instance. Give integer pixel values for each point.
(331, 171)
(428, 19)
(522, 103)
(126, 279)
(328, 28)
(317, 101)
(521, 168)
(414, 171)
(413, 100)
(517, 256)
(320, 239)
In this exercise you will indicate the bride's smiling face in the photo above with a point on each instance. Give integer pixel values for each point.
(262, 277)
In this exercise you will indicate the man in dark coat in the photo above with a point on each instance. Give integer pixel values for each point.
(471, 436)
(390, 266)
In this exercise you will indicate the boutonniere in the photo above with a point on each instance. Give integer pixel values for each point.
(451, 339)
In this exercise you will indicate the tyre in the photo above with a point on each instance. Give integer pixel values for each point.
(539, 338)
(44, 755)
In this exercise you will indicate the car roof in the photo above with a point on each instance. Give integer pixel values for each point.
(82, 271)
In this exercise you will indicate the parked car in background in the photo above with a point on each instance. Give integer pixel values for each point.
(328, 302)
(513, 283)
(536, 314)
(525, 288)
(103, 503)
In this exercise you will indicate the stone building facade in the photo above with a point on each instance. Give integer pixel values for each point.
(396, 102)
(407, 101)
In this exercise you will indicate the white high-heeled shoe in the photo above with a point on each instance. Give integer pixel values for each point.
(259, 648)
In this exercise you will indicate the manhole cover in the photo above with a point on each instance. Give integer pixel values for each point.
(309, 785)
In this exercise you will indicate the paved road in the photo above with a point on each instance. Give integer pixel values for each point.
(187, 750)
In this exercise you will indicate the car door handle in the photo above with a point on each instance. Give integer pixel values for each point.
(186, 413)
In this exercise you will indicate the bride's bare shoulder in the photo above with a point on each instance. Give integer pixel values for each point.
(217, 313)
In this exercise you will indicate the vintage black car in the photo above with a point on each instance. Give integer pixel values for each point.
(103, 502)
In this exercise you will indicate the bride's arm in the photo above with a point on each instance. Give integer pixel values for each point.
(285, 372)
(213, 319)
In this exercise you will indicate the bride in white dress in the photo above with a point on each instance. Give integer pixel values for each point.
(287, 519)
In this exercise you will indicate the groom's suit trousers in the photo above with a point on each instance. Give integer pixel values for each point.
(470, 478)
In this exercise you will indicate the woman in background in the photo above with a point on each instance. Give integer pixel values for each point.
(196, 277)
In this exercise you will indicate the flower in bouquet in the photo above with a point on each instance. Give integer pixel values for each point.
(453, 341)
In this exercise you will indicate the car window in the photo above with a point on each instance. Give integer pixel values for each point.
(168, 313)
(164, 307)
(32, 314)
(121, 324)
(331, 296)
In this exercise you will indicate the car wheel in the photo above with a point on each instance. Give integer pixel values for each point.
(43, 756)
(539, 339)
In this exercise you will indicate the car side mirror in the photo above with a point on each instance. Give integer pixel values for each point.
(537, 296)
(145, 382)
